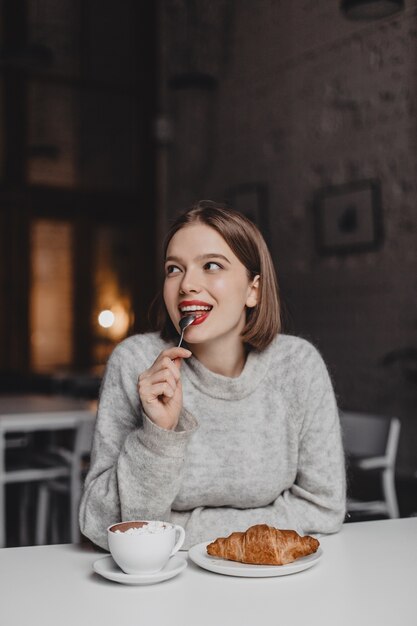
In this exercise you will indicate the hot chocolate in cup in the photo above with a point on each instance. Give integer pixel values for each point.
(144, 546)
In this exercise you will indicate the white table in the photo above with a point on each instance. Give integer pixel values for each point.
(367, 576)
(30, 413)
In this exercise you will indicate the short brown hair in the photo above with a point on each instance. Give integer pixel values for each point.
(244, 239)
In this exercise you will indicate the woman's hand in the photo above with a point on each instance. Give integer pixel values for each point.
(160, 388)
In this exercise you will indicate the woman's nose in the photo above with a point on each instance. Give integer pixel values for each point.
(189, 283)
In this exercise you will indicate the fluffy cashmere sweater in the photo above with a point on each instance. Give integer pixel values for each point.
(264, 447)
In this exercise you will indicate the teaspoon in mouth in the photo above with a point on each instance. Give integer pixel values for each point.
(185, 322)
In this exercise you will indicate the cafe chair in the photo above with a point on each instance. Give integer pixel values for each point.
(25, 470)
(16, 447)
(371, 443)
(68, 487)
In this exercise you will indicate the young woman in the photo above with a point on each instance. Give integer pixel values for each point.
(238, 428)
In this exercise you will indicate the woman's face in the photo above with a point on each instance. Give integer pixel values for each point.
(203, 276)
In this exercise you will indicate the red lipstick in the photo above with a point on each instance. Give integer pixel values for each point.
(200, 316)
(200, 319)
(193, 303)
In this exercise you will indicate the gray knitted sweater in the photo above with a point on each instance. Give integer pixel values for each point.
(264, 447)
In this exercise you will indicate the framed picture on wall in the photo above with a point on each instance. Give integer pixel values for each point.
(348, 218)
(251, 199)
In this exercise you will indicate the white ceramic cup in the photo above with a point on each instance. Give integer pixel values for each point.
(143, 553)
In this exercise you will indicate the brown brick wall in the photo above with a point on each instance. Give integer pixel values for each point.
(306, 99)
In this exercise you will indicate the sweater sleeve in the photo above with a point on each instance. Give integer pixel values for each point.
(316, 502)
(136, 467)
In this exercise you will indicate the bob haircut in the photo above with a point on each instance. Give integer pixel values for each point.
(263, 321)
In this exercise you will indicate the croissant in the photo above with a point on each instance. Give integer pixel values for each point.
(263, 545)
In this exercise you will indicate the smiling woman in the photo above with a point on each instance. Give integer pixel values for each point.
(242, 245)
(240, 427)
(228, 293)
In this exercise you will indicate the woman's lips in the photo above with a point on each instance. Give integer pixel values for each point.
(200, 319)
(200, 316)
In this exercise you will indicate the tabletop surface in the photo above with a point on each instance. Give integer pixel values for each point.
(34, 412)
(367, 575)
(12, 404)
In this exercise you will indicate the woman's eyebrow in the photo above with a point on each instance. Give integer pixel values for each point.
(211, 255)
(201, 257)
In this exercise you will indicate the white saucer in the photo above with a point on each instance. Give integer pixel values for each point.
(198, 554)
(107, 568)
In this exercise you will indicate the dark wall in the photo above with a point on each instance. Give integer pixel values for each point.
(275, 104)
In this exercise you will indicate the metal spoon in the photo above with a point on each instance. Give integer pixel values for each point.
(185, 323)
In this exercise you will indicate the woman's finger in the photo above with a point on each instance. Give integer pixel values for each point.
(170, 359)
(155, 391)
(174, 353)
(169, 364)
(161, 365)
(164, 376)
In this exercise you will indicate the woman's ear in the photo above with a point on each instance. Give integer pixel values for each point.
(252, 299)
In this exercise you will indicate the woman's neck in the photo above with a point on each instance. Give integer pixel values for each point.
(221, 358)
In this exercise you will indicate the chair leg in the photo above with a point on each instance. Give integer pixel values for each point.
(55, 522)
(3, 539)
(42, 515)
(74, 504)
(25, 490)
(388, 486)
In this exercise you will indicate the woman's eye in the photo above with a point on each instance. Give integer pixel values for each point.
(172, 269)
(212, 265)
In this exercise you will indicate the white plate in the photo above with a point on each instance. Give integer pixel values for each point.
(107, 568)
(199, 555)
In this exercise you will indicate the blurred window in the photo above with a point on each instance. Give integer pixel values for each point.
(52, 133)
(112, 310)
(82, 94)
(51, 297)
